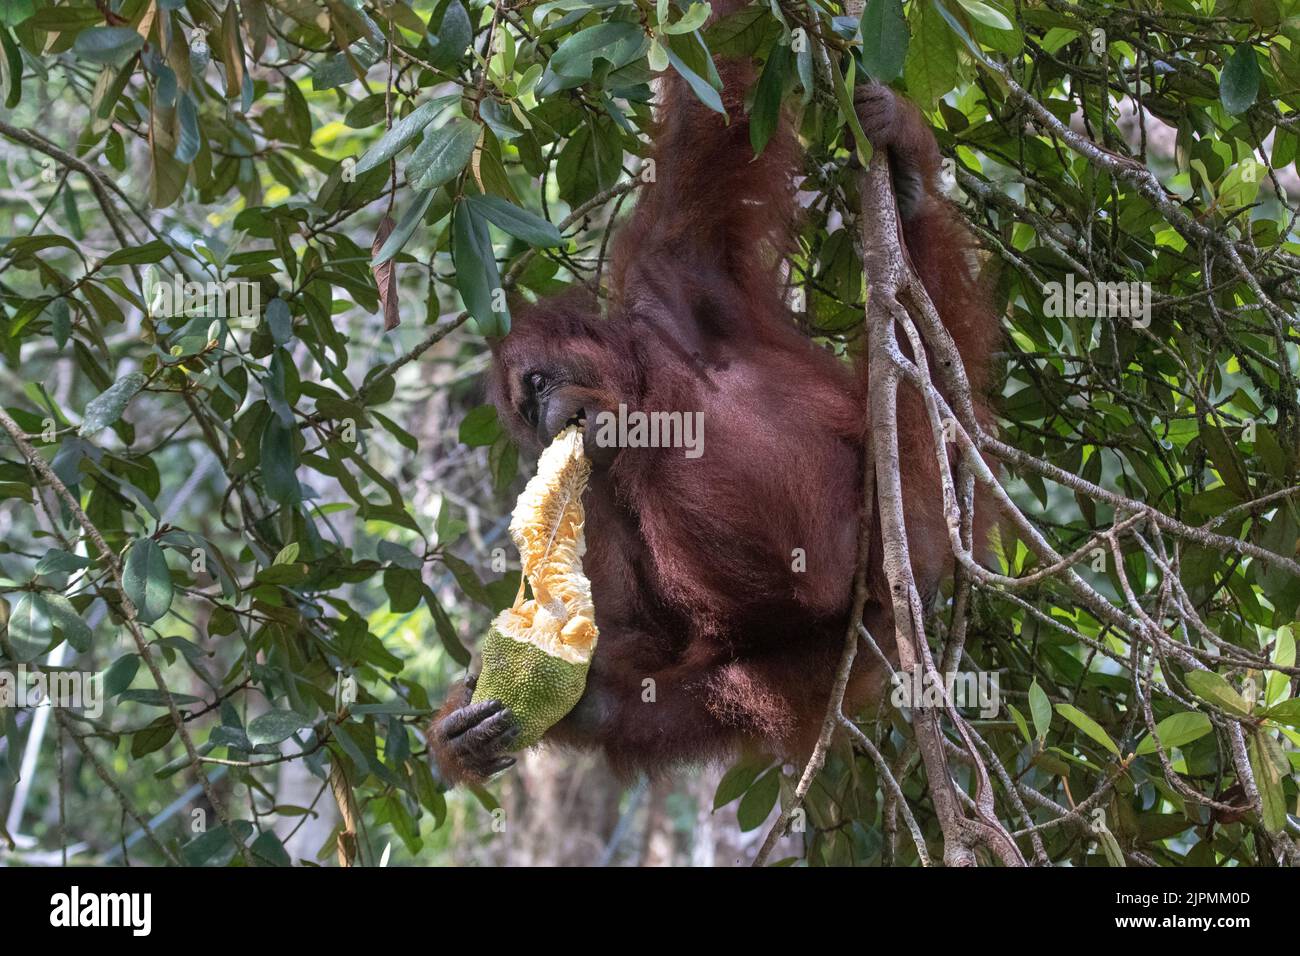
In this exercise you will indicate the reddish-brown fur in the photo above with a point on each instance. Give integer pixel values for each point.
(691, 559)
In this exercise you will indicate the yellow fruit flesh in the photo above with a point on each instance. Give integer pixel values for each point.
(547, 528)
(536, 655)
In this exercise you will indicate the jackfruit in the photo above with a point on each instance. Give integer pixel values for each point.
(536, 654)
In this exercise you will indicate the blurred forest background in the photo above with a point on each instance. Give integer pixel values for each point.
(279, 537)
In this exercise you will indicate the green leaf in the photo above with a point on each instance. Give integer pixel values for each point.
(1278, 683)
(698, 84)
(147, 580)
(986, 14)
(14, 12)
(60, 320)
(154, 251)
(416, 207)
(267, 850)
(844, 99)
(765, 114)
(1227, 459)
(396, 554)
(58, 19)
(1268, 763)
(404, 589)
(590, 161)
(279, 461)
(1176, 730)
(31, 628)
(442, 154)
(884, 39)
(467, 579)
(503, 462)
(759, 800)
(446, 629)
(278, 321)
(448, 527)
(958, 28)
(477, 276)
(1285, 146)
(1241, 184)
(11, 69)
(1214, 689)
(746, 32)
(68, 620)
(520, 223)
(480, 426)
(187, 123)
(275, 726)
(1019, 719)
(804, 67)
(78, 230)
(107, 407)
(618, 42)
(453, 36)
(119, 675)
(427, 792)
(1111, 848)
(107, 45)
(166, 176)
(152, 738)
(216, 847)
(288, 554)
(1239, 81)
(401, 135)
(930, 68)
(691, 20)
(1040, 709)
(58, 561)
(1089, 726)
(1287, 712)
(366, 112)
(737, 780)
(657, 57)
(295, 105)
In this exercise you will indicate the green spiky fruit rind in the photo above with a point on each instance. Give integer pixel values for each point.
(538, 688)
